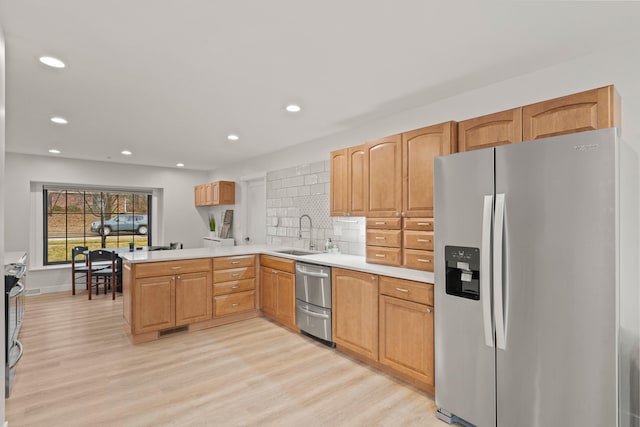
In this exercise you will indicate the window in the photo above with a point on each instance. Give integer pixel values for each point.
(93, 218)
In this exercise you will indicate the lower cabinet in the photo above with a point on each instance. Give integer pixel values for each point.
(406, 329)
(278, 289)
(234, 285)
(355, 312)
(167, 294)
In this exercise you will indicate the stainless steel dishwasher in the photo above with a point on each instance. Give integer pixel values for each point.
(313, 301)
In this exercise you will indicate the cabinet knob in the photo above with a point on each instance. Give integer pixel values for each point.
(428, 310)
(234, 305)
(373, 277)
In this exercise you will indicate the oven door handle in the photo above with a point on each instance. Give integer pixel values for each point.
(311, 273)
(20, 352)
(312, 314)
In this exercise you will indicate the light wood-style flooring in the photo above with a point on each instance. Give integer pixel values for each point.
(79, 369)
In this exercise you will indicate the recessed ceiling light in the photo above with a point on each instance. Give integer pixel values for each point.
(293, 108)
(126, 153)
(52, 62)
(55, 151)
(180, 165)
(59, 120)
(233, 137)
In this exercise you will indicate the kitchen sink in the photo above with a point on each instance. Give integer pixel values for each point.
(296, 252)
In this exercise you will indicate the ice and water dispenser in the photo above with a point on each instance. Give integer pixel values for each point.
(463, 271)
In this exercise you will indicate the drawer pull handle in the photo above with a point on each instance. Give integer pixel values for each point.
(423, 260)
(176, 268)
(379, 238)
(424, 223)
(235, 262)
(235, 305)
(235, 287)
(380, 223)
(402, 290)
(424, 240)
(380, 255)
(235, 275)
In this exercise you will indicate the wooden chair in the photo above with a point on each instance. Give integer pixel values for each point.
(104, 266)
(79, 266)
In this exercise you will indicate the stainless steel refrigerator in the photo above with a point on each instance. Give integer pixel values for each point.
(536, 284)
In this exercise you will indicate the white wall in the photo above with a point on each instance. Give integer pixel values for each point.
(2, 186)
(177, 218)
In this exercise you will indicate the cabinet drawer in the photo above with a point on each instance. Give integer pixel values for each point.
(390, 238)
(382, 255)
(422, 240)
(234, 303)
(420, 224)
(277, 263)
(224, 263)
(169, 268)
(418, 260)
(407, 289)
(234, 274)
(385, 223)
(234, 286)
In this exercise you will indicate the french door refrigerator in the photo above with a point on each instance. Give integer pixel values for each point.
(536, 284)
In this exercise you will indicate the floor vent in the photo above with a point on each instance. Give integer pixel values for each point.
(32, 291)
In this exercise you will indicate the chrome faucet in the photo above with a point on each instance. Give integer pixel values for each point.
(311, 244)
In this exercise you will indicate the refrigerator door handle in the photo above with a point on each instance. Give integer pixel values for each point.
(498, 302)
(485, 270)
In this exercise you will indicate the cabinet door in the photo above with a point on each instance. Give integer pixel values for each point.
(357, 188)
(155, 304)
(215, 193)
(406, 338)
(419, 147)
(384, 176)
(590, 110)
(339, 183)
(355, 311)
(199, 195)
(491, 130)
(286, 299)
(268, 291)
(193, 298)
(226, 193)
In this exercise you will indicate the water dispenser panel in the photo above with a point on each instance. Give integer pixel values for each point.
(463, 271)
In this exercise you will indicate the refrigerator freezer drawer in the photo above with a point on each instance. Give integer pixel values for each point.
(418, 260)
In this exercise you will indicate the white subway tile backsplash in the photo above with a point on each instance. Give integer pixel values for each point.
(301, 190)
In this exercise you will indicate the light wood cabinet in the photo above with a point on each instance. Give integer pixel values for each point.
(215, 193)
(277, 286)
(355, 312)
(589, 110)
(384, 177)
(234, 285)
(406, 330)
(349, 182)
(490, 130)
(167, 294)
(164, 295)
(419, 148)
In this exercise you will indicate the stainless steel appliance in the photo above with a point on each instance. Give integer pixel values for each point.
(14, 277)
(313, 300)
(536, 284)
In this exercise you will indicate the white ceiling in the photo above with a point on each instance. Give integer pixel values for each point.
(169, 80)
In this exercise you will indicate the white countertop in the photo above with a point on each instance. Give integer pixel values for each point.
(351, 262)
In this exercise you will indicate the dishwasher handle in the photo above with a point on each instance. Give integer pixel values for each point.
(311, 273)
(312, 314)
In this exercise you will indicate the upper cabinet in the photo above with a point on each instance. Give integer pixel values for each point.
(491, 130)
(339, 183)
(590, 110)
(419, 148)
(215, 193)
(384, 176)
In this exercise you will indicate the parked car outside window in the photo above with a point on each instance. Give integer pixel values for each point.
(123, 222)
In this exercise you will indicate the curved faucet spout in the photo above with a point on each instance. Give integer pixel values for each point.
(300, 225)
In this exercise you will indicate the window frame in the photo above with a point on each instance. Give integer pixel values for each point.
(107, 215)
